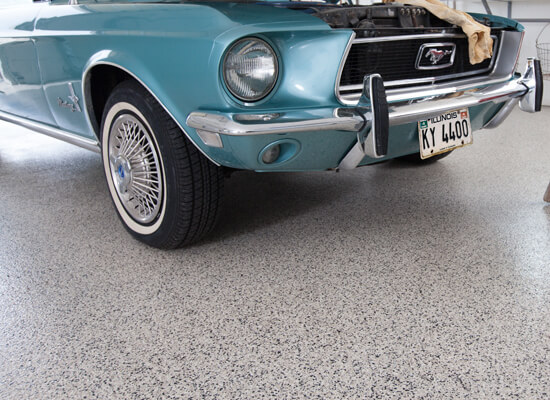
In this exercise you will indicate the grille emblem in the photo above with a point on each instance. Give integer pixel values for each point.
(435, 56)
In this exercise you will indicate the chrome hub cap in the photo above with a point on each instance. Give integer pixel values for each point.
(123, 174)
(135, 168)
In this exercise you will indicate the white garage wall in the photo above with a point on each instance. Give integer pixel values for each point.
(13, 2)
(530, 9)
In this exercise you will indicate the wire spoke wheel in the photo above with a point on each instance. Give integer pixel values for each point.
(135, 168)
(165, 191)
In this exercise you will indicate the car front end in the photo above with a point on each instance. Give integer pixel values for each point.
(362, 91)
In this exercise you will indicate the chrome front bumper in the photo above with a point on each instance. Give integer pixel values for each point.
(525, 89)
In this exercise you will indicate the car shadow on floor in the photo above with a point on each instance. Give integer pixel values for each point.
(376, 196)
(256, 200)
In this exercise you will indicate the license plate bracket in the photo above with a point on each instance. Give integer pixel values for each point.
(444, 133)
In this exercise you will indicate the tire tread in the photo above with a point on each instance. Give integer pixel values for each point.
(197, 194)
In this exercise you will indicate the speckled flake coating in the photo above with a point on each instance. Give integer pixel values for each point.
(388, 282)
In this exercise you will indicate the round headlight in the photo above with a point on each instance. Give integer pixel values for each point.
(250, 69)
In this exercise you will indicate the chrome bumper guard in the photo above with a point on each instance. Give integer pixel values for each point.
(527, 90)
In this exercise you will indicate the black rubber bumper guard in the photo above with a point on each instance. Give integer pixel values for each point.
(373, 137)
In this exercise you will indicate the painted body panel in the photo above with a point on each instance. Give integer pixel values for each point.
(20, 82)
(180, 66)
(319, 149)
(176, 49)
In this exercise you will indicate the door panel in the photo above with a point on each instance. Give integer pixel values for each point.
(63, 48)
(20, 82)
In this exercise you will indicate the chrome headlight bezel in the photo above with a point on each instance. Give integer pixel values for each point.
(270, 84)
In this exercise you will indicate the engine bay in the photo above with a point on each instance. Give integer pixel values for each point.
(377, 19)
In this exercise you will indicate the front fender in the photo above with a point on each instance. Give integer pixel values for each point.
(141, 73)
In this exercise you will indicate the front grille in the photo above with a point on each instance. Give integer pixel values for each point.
(395, 59)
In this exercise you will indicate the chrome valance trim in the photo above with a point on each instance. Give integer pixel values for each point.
(85, 143)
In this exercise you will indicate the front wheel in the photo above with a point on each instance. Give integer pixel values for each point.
(166, 193)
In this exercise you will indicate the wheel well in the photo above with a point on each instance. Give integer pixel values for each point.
(99, 83)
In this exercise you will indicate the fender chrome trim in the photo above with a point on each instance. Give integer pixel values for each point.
(88, 144)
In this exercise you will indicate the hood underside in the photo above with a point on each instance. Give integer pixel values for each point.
(381, 19)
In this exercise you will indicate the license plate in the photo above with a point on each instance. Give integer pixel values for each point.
(444, 133)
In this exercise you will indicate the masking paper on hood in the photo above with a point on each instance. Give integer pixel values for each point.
(480, 43)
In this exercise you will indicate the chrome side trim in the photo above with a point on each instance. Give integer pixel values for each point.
(85, 98)
(47, 130)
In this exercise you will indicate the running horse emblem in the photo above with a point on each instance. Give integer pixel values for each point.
(436, 55)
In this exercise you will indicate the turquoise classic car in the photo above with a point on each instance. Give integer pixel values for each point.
(176, 94)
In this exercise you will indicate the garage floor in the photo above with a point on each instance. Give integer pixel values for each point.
(389, 281)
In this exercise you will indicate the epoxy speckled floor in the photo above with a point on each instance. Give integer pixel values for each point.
(389, 281)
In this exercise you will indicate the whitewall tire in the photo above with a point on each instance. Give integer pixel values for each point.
(166, 193)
